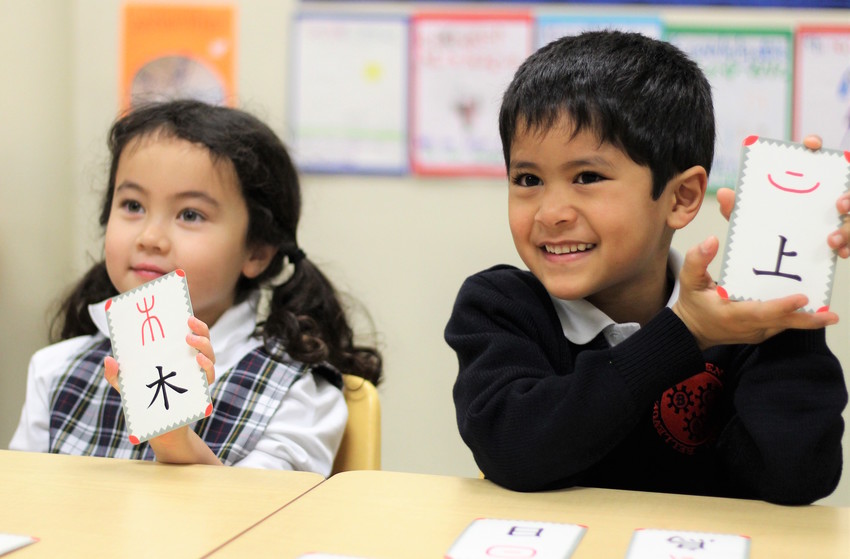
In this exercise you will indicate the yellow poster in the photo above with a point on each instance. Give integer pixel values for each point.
(178, 52)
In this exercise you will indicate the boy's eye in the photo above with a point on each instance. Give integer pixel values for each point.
(588, 178)
(527, 180)
(191, 216)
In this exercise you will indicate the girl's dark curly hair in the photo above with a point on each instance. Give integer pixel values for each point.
(304, 312)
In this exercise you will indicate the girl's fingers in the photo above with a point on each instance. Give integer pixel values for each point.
(110, 371)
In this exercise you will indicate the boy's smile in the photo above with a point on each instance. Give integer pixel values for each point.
(584, 222)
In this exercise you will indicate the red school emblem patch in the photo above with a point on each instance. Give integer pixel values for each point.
(685, 414)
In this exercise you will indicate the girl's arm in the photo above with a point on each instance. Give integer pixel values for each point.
(182, 445)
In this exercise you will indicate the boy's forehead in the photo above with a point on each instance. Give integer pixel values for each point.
(561, 125)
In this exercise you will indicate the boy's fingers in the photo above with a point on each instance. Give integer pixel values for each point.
(813, 142)
(726, 199)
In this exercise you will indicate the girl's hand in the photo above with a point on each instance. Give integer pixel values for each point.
(714, 320)
(838, 240)
(181, 445)
(200, 340)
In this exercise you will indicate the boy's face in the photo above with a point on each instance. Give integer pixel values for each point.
(584, 222)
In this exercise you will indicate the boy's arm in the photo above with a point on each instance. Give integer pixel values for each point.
(533, 414)
(784, 442)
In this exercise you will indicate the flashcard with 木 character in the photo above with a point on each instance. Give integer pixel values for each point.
(162, 385)
(674, 544)
(784, 211)
(486, 538)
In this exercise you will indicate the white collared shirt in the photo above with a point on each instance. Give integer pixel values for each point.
(304, 433)
(581, 321)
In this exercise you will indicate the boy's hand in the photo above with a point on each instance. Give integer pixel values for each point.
(838, 240)
(714, 320)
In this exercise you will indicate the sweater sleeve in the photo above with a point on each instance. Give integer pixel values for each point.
(783, 443)
(534, 415)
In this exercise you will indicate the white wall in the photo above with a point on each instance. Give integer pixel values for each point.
(400, 245)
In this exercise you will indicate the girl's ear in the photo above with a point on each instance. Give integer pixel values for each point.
(258, 260)
(686, 191)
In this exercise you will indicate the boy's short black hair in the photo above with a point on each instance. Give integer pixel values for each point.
(642, 95)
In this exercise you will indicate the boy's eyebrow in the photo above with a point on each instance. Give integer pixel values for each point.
(592, 161)
(186, 195)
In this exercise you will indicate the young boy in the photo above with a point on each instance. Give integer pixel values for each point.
(606, 365)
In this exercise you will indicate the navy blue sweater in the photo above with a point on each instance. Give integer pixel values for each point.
(653, 413)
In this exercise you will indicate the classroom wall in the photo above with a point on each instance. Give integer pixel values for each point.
(400, 245)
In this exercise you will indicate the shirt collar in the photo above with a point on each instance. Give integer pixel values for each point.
(582, 322)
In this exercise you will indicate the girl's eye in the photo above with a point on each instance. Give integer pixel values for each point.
(588, 178)
(191, 216)
(527, 180)
(131, 206)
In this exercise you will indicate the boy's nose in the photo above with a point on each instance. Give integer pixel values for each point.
(556, 209)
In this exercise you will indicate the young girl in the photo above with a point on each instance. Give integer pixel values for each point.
(213, 191)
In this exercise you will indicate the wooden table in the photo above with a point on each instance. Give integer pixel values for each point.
(388, 515)
(103, 507)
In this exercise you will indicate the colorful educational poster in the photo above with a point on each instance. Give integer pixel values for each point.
(784, 210)
(348, 105)
(750, 72)
(178, 51)
(549, 28)
(676, 544)
(461, 64)
(822, 85)
(162, 385)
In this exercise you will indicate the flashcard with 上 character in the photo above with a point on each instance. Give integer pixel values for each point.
(784, 211)
(162, 385)
(674, 544)
(486, 538)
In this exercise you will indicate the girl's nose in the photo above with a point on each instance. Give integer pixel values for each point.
(153, 237)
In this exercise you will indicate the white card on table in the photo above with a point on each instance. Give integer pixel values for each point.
(162, 385)
(784, 210)
(486, 538)
(11, 542)
(676, 544)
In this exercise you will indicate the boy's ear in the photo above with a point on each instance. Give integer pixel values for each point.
(687, 190)
(258, 260)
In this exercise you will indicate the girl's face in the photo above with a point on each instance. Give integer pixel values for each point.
(173, 207)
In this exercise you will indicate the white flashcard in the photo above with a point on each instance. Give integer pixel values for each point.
(784, 211)
(11, 542)
(162, 385)
(675, 544)
(489, 538)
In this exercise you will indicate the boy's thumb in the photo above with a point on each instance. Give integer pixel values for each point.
(697, 259)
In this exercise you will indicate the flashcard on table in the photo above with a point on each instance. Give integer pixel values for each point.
(674, 544)
(486, 538)
(784, 211)
(11, 542)
(162, 385)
